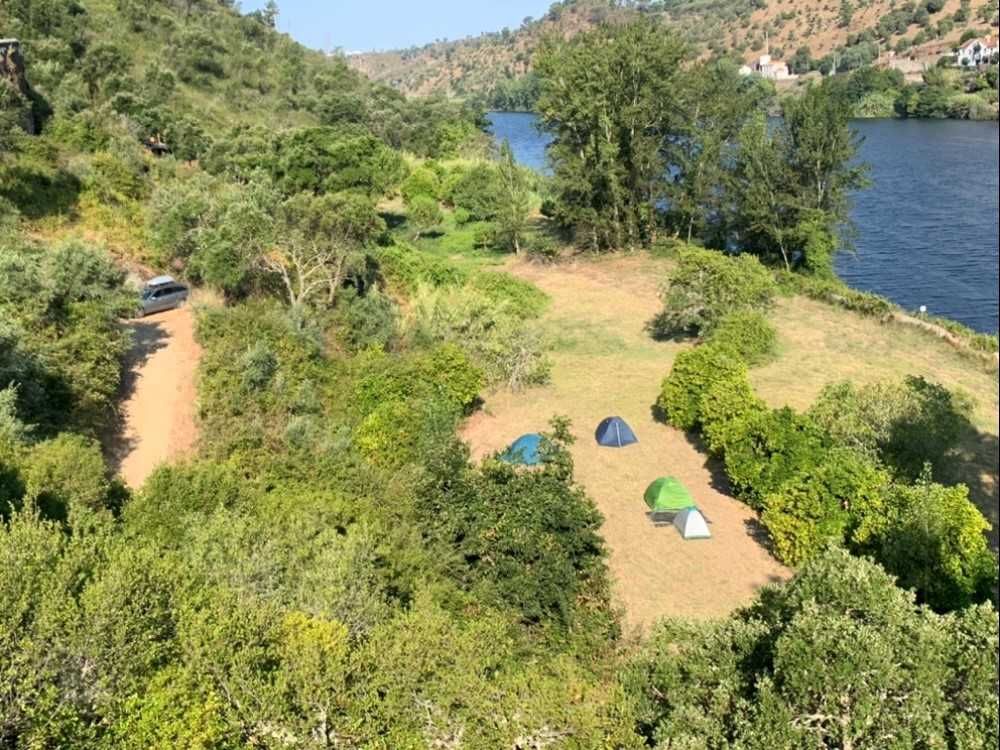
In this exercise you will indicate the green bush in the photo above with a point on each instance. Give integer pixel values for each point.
(368, 320)
(822, 504)
(723, 405)
(407, 266)
(478, 192)
(693, 374)
(768, 448)
(66, 478)
(747, 334)
(176, 495)
(523, 299)
(937, 546)
(422, 181)
(905, 424)
(708, 285)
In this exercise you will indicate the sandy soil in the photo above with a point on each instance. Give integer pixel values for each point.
(605, 364)
(158, 396)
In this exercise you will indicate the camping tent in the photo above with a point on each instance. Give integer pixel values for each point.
(667, 494)
(615, 433)
(524, 450)
(691, 523)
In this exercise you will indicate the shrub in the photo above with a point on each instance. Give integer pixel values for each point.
(399, 431)
(767, 448)
(936, 545)
(706, 286)
(747, 334)
(722, 406)
(904, 424)
(422, 181)
(521, 298)
(821, 503)
(368, 320)
(404, 264)
(478, 192)
(176, 495)
(66, 477)
(694, 373)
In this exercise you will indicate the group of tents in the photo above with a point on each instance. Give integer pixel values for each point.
(666, 496)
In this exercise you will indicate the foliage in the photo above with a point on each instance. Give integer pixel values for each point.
(746, 333)
(777, 674)
(936, 545)
(723, 407)
(905, 425)
(424, 213)
(609, 99)
(768, 448)
(705, 287)
(521, 298)
(825, 503)
(514, 201)
(696, 372)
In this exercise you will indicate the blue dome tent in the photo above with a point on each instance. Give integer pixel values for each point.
(524, 450)
(615, 433)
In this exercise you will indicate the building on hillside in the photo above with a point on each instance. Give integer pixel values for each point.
(765, 67)
(977, 51)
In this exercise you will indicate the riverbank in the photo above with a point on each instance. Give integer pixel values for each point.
(927, 233)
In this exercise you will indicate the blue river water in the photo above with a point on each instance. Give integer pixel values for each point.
(927, 229)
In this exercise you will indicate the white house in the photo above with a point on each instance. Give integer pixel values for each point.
(977, 51)
(765, 67)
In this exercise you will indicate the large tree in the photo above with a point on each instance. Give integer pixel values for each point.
(610, 99)
(792, 182)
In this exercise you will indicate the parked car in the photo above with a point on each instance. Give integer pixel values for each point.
(162, 293)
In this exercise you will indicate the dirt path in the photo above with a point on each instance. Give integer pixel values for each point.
(605, 364)
(158, 396)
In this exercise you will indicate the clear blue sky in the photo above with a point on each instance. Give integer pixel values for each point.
(388, 24)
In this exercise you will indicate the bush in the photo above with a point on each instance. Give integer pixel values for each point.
(694, 373)
(936, 545)
(708, 285)
(521, 298)
(905, 424)
(407, 266)
(747, 334)
(768, 448)
(478, 192)
(422, 181)
(367, 321)
(723, 405)
(66, 478)
(821, 504)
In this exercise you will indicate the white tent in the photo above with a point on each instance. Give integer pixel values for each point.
(691, 523)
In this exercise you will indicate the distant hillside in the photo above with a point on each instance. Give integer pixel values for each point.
(809, 34)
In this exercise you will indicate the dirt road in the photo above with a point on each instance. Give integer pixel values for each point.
(157, 421)
(605, 364)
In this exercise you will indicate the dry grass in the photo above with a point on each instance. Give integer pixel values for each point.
(604, 363)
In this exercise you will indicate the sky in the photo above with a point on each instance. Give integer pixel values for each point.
(362, 25)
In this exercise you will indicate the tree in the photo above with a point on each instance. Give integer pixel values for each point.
(320, 242)
(610, 100)
(792, 186)
(718, 102)
(514, 200)
(424, 213)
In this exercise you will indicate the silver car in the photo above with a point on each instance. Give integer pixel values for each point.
(162, 293)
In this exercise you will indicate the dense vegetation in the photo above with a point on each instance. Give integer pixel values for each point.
(331, 569)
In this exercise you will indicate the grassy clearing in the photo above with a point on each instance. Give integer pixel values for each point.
(605, 363)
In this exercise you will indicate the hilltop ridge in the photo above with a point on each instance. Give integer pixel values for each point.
(807, 34)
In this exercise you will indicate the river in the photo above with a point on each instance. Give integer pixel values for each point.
(927, 228)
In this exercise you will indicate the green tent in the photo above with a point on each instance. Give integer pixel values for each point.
(666, 495)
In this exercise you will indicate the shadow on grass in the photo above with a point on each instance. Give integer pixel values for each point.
(149, 337)
(977, 466)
